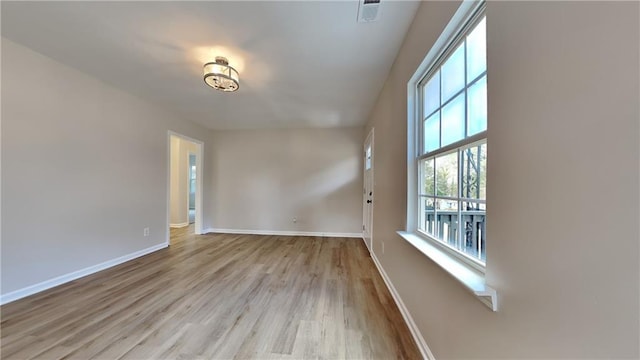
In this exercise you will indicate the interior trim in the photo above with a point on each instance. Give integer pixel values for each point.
(417, 336)
(51, 283)
(283, 233)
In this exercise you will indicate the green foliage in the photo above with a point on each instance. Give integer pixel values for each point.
(445, 183)
(443, 179)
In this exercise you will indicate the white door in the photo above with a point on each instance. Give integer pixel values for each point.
(367, 194)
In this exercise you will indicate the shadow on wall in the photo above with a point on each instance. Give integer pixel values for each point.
(266, 178)
(328, 189)
(330, 180)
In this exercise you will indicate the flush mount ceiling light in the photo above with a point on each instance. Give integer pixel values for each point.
(219, 75)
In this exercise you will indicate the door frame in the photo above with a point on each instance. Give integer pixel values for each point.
(368, 207)
(189, 153)
(199, 171)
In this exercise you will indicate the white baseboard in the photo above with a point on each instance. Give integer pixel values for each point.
(282, 233)
(179, 225)
(48, 284)
(417, 336)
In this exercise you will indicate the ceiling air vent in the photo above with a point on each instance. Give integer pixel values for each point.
(368, 10)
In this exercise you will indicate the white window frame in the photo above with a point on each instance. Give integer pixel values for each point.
(464, 144)
(469, 272)
(467, 26)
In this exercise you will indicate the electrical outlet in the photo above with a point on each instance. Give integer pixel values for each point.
(146, 231)
(295, 220)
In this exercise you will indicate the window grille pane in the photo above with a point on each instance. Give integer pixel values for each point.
(474, 172)
(474, 230)
(453, 74)
(477, 51)
(447, 221)
(427, 215)
(431, 93)
(453, 121)
(431, 134)
(428, 177)
(447, 175)
(477, 107)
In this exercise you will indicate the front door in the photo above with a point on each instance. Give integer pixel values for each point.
(367, 194)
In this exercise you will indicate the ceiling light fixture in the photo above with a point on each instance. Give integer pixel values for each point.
(219, 75)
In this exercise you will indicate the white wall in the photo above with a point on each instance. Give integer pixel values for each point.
(179, 180)
(265, 178)
(84, 169)
(562, 186)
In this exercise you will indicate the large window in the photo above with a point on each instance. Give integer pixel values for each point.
(452, 145)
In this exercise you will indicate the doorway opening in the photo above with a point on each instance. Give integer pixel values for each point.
(184, 185)
(192, 187)
(367, 193)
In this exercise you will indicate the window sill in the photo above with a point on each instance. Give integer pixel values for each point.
(470, 278)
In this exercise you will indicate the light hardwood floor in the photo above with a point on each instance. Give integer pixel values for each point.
(218, 296)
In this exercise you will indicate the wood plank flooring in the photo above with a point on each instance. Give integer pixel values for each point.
(218, 296)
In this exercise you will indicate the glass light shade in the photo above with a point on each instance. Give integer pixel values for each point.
(219, 75)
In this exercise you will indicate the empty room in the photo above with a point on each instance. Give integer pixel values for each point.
(357, 179)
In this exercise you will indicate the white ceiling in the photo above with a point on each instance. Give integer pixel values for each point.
(301, 64)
